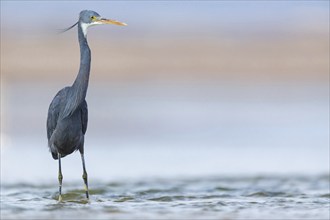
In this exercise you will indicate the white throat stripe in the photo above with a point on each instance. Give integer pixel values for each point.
(84, 27)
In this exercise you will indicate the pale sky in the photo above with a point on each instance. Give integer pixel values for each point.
(170, 15)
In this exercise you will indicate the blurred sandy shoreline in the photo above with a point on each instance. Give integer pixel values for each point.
(301, 58)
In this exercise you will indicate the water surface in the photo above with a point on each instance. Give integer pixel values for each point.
(259, 197)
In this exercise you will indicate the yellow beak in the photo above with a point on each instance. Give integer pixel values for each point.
(109, 21)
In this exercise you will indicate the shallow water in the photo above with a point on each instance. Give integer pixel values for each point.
(173, 151)
(260, 197)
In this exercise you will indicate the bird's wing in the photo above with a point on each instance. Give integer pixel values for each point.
(84, 116)
(54, 110)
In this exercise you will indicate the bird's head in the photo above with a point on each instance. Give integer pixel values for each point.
(89, 18)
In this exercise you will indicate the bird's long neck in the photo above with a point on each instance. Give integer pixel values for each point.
(80, 84)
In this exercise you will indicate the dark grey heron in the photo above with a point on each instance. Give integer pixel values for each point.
(67, 113)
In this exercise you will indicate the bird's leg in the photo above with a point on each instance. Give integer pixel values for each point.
(60, 178)
(84, 176)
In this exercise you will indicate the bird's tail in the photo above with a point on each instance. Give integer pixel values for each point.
(55, 155)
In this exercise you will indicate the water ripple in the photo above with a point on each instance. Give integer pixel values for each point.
(214, 197)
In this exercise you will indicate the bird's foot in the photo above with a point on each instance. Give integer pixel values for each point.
(60, 198)
(87, 192)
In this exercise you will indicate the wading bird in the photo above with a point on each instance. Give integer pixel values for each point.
(67, 113)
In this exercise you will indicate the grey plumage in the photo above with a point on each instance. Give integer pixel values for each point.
(68, 114)
(66, 134)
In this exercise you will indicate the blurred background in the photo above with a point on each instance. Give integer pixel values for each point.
(188, 88)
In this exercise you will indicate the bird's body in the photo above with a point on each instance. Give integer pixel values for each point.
(66, 135)
(68, 113)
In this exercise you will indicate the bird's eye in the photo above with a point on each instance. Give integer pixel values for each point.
(92, 17)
